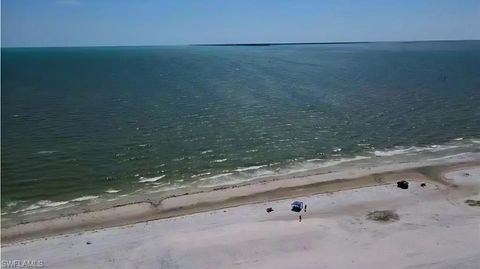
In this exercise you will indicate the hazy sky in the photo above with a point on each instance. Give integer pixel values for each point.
(150, 22)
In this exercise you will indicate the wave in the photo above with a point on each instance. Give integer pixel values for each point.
(220, 175)
(219, 161)
(84, 198)
(46, 152)
(363, 144)
(12, 204)
(112, 191)
(201, 174)
(28, 208)
(172, 188)
(393, 152)
(42, 204)
(409, 150)
(322, 163)
(455, 150)
(216, 176)
(47, 203)
(434, 153)
(152, 179)
(255, 167)
(238, 176)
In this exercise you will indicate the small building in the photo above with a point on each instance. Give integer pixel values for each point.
(297, 206)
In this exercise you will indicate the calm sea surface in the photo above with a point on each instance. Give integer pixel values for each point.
(81, 123)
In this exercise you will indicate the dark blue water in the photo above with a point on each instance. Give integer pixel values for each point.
(81, 121)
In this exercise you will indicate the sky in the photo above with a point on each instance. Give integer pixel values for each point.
(40, 23)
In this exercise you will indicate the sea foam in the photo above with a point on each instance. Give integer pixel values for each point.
(242, 169)
(112, 191)
(219, 161)
(84, 198)
(152, 179)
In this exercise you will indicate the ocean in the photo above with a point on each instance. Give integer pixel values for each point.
(89, 125)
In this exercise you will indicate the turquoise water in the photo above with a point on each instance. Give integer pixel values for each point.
(80, 122)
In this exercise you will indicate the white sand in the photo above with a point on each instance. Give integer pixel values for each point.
(436, 229)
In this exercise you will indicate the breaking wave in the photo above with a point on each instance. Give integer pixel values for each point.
(84, 198)
(152, 179)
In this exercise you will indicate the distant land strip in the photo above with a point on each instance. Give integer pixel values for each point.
(282, 44)
(325, 43)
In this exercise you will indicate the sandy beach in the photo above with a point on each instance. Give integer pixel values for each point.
(435, 226)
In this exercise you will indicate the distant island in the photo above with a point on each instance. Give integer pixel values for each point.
(281, 44)
(326, 43)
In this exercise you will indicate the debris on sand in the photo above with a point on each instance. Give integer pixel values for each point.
(423, 184)
(88, 242)
(472, 202)
(383, 216)
(402, 184)
(269, 210)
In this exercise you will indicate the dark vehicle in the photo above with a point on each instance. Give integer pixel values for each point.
(297, 206)
(402, 184)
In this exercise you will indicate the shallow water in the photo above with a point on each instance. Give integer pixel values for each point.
(78, 123)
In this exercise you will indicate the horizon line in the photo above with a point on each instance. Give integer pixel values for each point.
(243, 44)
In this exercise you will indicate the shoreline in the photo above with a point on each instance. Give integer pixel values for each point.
(300, 172)
(277, 188)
